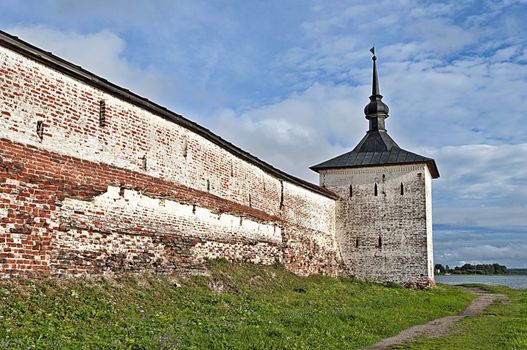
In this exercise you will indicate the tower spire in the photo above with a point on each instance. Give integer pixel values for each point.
(375, 82)
(376, 111)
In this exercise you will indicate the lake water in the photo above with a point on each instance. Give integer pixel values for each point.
(513, 281)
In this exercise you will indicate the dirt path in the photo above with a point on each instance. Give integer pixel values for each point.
(440, 326)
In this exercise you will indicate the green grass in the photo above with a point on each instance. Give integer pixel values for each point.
(501, 326)
(236, 307)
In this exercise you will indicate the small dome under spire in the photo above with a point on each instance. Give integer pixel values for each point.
(376, 107)
(376, 111)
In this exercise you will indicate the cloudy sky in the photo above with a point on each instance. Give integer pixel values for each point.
(287, 80)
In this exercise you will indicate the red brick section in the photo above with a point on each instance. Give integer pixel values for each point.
(73, 177)
(34, 182)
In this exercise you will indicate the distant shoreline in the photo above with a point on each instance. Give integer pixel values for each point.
(481, 270)
(512, 281)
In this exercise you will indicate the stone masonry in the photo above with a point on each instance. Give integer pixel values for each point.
(95, 179)
(385, 235)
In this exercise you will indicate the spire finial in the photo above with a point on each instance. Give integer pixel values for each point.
(375, 83)
(376, 111)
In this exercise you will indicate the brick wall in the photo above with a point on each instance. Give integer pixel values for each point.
(140, 192)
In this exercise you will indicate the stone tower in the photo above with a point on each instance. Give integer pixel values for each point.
(384, 213)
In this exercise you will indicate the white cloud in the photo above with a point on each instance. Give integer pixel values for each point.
(299, 131)
(476, 172)
(489, 252)
(512, 255)
(100, 52)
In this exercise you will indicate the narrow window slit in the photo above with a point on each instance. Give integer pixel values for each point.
(102, 113)
(281, 194)
(375, 190)
(356, 242)
(380, 242)
(208, 185)
(144, 165)
(40, 130)
(351, 191)
(402, 189)
(185, 148)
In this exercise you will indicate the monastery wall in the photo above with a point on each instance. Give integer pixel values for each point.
(384, 222)
(139, 191)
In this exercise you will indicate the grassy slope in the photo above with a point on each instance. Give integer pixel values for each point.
(502, 326)
(240, 307)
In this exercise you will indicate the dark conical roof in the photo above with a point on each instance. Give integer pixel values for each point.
(377, 148)
(375, 141)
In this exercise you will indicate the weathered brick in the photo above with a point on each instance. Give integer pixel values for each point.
(84, 202)
(388, 236)
(145, 191)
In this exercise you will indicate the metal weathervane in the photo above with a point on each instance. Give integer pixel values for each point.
(372, 50)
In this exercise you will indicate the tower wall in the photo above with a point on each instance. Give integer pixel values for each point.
(383, 235)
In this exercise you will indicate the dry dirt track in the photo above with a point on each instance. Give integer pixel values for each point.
(440, 326)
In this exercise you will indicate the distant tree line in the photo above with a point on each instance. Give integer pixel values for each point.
(469, 269)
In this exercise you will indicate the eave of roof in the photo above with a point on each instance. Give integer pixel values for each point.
(79, 73)
(376, 148)
(432, 167)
